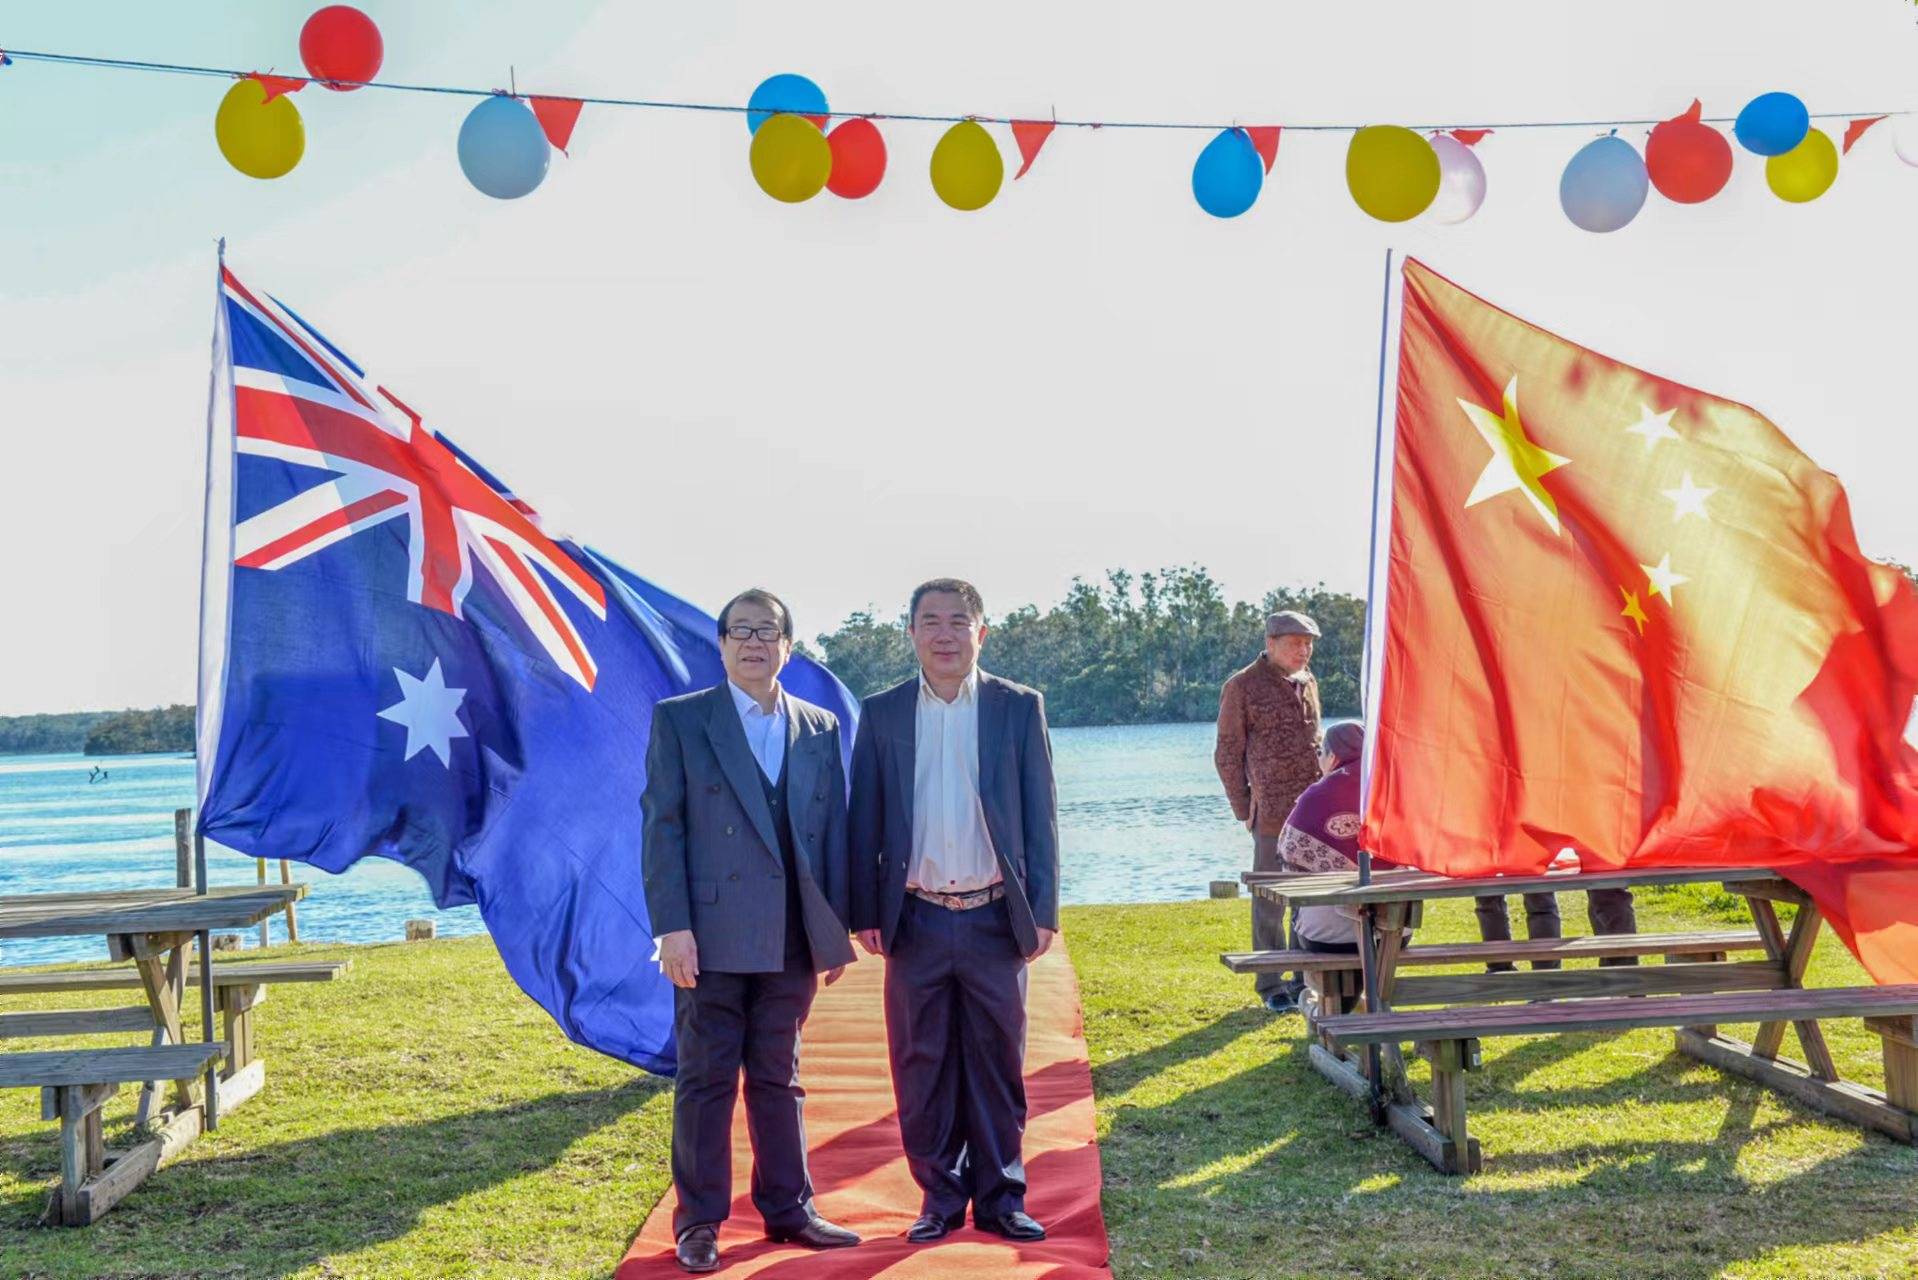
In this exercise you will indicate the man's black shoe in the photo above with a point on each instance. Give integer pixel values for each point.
(699, 1249)
(816, 1234)
(1280, 1002)
(928, 1227)
(1013, 1226)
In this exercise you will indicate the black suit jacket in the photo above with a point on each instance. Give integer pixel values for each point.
(1015, 789)
(711, 853)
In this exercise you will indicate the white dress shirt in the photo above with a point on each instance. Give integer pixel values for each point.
(951, 849)
(765, 733)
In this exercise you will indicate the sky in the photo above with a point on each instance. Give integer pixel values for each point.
(839, 399)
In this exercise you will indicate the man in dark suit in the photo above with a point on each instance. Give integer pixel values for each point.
(955, 879)
(746, 880)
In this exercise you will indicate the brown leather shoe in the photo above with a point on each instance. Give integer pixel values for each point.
(816, 1234)
(928, 1227)
(698, 1248)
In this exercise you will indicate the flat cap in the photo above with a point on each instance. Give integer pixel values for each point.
(1290, 623)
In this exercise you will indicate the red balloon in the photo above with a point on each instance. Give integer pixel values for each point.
(1688, 161)
(858, 159)
(339, 43)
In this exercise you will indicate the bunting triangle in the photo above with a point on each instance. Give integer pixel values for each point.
(1265, 140)
(277, 85)
(1856, 130)
(557, 116)
(1030, 135)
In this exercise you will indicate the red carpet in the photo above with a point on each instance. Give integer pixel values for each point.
(859, 1173)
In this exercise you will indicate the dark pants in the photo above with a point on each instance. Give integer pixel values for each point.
(1268, 921)
(956, 1034)
(728, 1022)
(1609, 910)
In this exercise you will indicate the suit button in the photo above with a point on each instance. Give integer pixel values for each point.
(729, 830)
(733, 876)
(812, 835)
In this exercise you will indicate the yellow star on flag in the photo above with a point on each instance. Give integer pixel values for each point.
(1654, 426)
(1690, 499)
(1516, 462)
(1661, 578)
(1632, 611)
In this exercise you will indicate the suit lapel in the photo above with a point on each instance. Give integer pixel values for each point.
(736, 758)
(905, 745)
(801, 763)
(992, 727)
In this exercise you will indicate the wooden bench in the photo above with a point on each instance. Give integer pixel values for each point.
(74, 1085)
(1449, 1039)
(237, 988)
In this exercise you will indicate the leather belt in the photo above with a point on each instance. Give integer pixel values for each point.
(962, 901)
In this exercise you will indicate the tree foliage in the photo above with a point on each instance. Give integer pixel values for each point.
(1142, 649)
(46, 734)
(131, 732)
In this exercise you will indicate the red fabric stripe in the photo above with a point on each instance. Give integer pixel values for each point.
(516, 565)
(349, 514)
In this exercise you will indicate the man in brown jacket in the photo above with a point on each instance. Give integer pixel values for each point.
(1268, 752)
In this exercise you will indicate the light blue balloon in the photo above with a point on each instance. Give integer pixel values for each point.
(502, 148)
(785, 94)
(1772, 124)
(1604, 185)
(1228, 174)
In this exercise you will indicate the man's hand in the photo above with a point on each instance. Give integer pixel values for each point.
(870, 940)
(679, 957)
(835, 974)
(1045, 942)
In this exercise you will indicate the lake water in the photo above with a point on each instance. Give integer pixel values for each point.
(1141, 819)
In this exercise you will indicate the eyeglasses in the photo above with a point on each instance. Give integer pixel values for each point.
(768, 633)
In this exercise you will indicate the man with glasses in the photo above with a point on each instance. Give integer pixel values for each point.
(955, 857)
(747, 884)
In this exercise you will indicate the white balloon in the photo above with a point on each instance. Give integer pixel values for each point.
(1461, 181)
(1904, 138)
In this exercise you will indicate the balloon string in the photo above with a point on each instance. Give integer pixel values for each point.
(229, 73)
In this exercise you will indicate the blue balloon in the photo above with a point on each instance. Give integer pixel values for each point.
(502, 148)
(784, 95)
(1772, 124)
(1228, 174)
(1604, 185)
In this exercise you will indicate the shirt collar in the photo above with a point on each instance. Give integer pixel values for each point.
(968, 688)
(747, 705)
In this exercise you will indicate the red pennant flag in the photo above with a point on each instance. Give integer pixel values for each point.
(1470, 137)
(1691, 116)
(1856, 130)
(1030, 135)
(1265, 140)
(1629, 618)
(557, 116)
(277, 85)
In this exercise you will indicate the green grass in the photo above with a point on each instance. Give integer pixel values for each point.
(423, 1119)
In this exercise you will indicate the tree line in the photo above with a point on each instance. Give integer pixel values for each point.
(1145, 649)
(133, 732)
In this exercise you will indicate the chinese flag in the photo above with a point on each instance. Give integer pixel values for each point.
(1625, 617)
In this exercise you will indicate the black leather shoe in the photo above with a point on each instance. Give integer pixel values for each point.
(1013, 1226)
(698, 1249)
(928, 1227)
(816, 1234)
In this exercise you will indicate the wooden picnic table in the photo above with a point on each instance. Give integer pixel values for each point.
(1389, 906)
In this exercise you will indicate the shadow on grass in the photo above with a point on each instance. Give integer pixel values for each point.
(291, 1204)
(1276, 1137)
(1118, 1075)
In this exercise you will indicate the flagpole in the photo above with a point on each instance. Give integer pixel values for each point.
(1368, 932)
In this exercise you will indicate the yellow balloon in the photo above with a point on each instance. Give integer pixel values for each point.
(791, 158)
(259, 138)
(1393, 173)
(966, 167)
(1806, 171)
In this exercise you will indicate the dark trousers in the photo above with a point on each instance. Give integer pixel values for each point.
(1609, 910)
(1268, 921)
(956, 1034)
(727, 1022)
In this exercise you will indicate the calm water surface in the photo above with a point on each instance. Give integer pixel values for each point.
(1141, 819)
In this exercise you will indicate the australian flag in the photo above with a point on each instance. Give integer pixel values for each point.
(399, 659)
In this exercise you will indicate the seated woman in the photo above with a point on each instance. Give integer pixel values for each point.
(1322, 834)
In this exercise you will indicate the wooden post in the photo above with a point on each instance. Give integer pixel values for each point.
(1224, 888)
(183, 848)
(420, 930)
(266, 935)
(292, 921)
